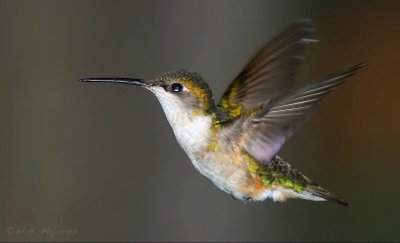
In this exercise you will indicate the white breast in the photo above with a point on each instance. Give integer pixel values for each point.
(193, 133)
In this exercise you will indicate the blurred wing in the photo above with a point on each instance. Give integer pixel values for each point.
(269, 129)
(270, 73)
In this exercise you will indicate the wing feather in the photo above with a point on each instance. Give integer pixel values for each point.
(268, 130)
(270, 73)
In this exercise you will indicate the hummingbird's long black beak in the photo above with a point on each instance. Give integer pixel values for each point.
(131, 81)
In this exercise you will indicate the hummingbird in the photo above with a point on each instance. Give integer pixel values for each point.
(234, 143)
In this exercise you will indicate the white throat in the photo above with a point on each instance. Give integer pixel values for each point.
(192, 132)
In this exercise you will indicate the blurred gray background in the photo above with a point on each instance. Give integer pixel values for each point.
(101, 160)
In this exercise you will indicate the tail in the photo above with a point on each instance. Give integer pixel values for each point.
(281, 173)
(320, 192)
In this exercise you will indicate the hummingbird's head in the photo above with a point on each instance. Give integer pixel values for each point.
(181, 93)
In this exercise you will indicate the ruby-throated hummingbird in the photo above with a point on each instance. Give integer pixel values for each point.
(234, 143)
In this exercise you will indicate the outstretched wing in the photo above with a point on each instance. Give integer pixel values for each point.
(270, 73)
(268, 130)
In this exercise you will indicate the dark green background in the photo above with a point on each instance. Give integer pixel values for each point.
(102, 159)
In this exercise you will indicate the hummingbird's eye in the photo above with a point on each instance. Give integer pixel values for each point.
(176, 87)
